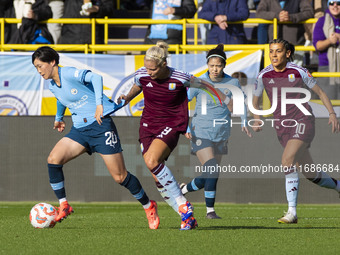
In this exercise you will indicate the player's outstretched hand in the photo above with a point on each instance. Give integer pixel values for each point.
(59, 125)
(99, 113)
(334, 122)
(122, 97)
(245, 130)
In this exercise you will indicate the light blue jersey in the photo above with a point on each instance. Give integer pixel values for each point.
(202, 125)
(80, 91)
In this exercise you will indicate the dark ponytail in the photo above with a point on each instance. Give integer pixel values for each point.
(287, 45)
(217, 52)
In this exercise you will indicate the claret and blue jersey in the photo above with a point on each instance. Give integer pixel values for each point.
(293, 76)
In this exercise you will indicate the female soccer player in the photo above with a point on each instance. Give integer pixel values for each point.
(299, 129)
(164, 118)
(208, 141)
(93, 129)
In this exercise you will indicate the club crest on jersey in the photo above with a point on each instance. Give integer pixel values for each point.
(74, 91)
(291, 77)
(172, 86)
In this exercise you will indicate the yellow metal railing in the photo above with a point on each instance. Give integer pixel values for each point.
(177, 48)
(93, 47)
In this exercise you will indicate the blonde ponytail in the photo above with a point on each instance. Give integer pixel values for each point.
(158, 53)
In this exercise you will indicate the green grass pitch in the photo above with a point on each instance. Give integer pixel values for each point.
(121, 228)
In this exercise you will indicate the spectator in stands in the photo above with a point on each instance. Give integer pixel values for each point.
(320, 6)
(4, 6)
(57, 7)
(143, 4)
(168, 9)
(222, 12)
(203, 27)
(262, 29)
(288, 10)
(31, 12)
(326, 38)
(81, 33)
(7, 11)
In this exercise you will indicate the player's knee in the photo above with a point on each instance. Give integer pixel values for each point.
(52, 159)
(151, 162)
(119, 178)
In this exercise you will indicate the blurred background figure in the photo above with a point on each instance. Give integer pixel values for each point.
(81, 34)
(31, 12)
(204, 28)
(7, 11)
(143, 4)
(288, 10)
(222, 12)
(262, 29)
(246, 84)
(57, 7)
(326, 38)
(169, 9)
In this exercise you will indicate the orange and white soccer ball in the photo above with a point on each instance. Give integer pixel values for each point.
(43, 215)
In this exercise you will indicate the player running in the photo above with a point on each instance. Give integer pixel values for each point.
(208, 141)
(93, 129)
(164, 118)
(295, 140)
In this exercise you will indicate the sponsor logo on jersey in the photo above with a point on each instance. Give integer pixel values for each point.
(291, 77)
(296, 136)
(271, 81)
(172, 86)
(74, 91)
(149, 85)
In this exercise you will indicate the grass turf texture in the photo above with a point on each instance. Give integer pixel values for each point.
(121, 228)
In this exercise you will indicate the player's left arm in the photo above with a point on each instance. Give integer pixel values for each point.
(327, 103)
(310, 82)
(97, 83)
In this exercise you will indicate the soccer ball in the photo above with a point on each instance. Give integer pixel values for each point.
(43, 215)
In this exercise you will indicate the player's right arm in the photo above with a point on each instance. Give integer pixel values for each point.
(134, 91)
(59, 123)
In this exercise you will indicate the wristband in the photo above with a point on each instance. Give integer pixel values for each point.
(332, 113)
